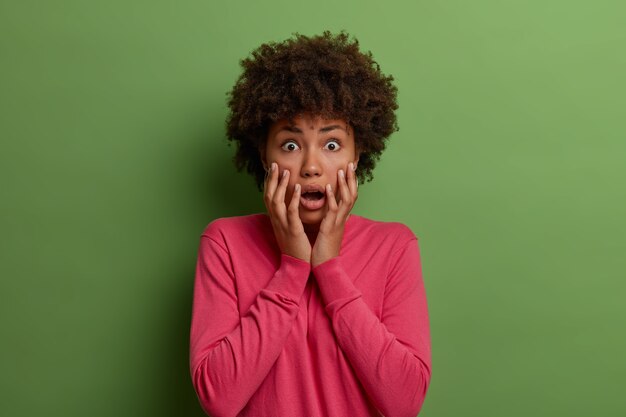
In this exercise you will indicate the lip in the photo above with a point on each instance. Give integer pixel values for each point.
(313, 204)
(311, 188)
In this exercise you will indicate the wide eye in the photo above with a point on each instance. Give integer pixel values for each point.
(290, 146)
(333, 145)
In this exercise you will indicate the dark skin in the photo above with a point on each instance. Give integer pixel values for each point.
(305, 151)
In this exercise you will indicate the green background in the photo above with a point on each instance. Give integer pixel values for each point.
(509, 166)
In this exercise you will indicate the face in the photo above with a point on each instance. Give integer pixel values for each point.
(313, 149)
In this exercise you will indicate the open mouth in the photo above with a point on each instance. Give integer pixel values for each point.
(312, 200)
(313, 195)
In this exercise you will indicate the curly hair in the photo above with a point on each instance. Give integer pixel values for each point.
(323, 75)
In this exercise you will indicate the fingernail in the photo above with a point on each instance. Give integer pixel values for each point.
(341, 174)
(351, 166)
(273, 166)
(285, 173)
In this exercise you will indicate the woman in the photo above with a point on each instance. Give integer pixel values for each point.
(309, 310)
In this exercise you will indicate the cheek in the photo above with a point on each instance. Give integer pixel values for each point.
(287, 164)
(334, 182)
(333, 174)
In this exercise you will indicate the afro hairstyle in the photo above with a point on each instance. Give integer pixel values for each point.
(325, 75)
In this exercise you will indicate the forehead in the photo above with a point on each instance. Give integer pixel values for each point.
(308, 122)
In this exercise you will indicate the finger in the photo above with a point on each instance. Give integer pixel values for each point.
(352, 180)
(271, 182)
(278, 201)
(344, 191)
(346, 198)
(294, 206)
(330, 214)
(330, 198)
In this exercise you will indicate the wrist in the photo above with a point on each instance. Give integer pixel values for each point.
(294, 261)
(297, 257)
(320, 259)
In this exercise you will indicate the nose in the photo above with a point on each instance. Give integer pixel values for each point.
(310, 165)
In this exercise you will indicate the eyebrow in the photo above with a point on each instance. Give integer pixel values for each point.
(294, 129)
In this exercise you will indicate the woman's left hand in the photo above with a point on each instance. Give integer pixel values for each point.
(330, 235)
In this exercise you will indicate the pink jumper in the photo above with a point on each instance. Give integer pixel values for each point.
(271, 337)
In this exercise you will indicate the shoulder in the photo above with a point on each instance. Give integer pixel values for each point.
(225, 229)
(397, 228)
(379, 227)
(392, 234)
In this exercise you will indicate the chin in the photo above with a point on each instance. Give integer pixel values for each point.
(311, 218)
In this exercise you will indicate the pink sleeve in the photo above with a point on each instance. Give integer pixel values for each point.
(391, 356)
(231, 354)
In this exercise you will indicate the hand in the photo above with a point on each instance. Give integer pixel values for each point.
(330, 235)
(288, 228)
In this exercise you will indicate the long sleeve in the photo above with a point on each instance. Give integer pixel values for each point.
(391, 356)
(230, 353)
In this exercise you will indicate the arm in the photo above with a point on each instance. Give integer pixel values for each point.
(391, 356)
(230, 355)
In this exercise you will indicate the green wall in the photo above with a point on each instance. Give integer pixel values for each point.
(509, 166)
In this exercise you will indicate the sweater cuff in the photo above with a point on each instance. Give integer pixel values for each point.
(291, 277)
(333, 281)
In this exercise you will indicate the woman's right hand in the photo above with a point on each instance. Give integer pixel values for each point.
(288, 228)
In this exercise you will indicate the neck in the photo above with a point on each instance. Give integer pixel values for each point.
(311, 231)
